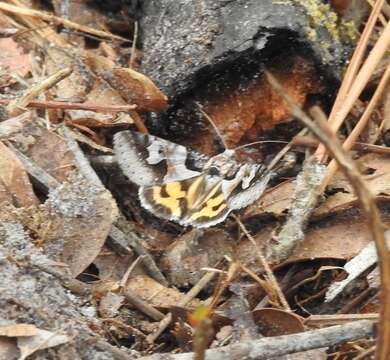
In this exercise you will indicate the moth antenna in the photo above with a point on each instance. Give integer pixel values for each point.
(260, 142)
(219, 135)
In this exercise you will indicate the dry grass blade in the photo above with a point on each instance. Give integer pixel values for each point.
(353, 84)
(59, 21)
(362, 123)
(369, 207)
(270, 275)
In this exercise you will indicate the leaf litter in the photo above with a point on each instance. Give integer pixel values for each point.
(66, 278)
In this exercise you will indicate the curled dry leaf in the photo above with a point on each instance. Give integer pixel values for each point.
(154, 293)
(15, 186)
(275, 322)
(376, 172)
(138, 89)
(133, 87)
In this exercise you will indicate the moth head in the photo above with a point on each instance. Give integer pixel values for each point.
(222, 165)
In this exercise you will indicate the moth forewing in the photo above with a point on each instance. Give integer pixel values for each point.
(241, 198)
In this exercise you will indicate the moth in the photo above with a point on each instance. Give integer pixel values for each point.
(184, 186)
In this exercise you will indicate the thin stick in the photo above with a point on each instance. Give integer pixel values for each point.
(133, 45)
(337, 319)
(309, 142)
(210, 120)
(143, 306)
(17, 106)
(164, 323)
(52, 104)
(367, 200)
(270, 275)
(126, 276)
(276, 346)
(59, 21)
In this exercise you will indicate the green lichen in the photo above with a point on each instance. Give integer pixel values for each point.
(321, 15)
(349, 30)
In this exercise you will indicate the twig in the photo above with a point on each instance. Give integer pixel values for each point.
(17, 106)
(337, 319)
(52, 104)
(275, 347)
(59, 21)
(126, 276)
(270, 275)
(307, 141)
(164, 323)
(134, 242)
(133, 45)
(143, 306)
(368, 205)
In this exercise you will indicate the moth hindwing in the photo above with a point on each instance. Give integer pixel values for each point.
(181, 185)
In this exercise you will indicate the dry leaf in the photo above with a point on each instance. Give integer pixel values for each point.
(8, 349)
(84, 214)
(133, 87)
(42, 340)
(12, 58)
(138, 89)
(184, 259)
(275, 322)
(15, 185)
(153, 292)
(48, 150)
(16, 330)
(109, 304)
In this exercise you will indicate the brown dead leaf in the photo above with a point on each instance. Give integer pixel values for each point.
(12, 58)
(154, 293)
(42, 340)
(184, 259)
(84, 214)
(48, 150)
(339, 238)
(15, 186)
(376, 171)
(8, 349)
(275, 201)
(275, 322)
(109, 304)
(138, 89)
(133, 87)
(16, 330)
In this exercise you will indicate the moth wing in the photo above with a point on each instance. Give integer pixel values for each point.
(171, 200)
(240, 198)
(148, 160)
(210, 208)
